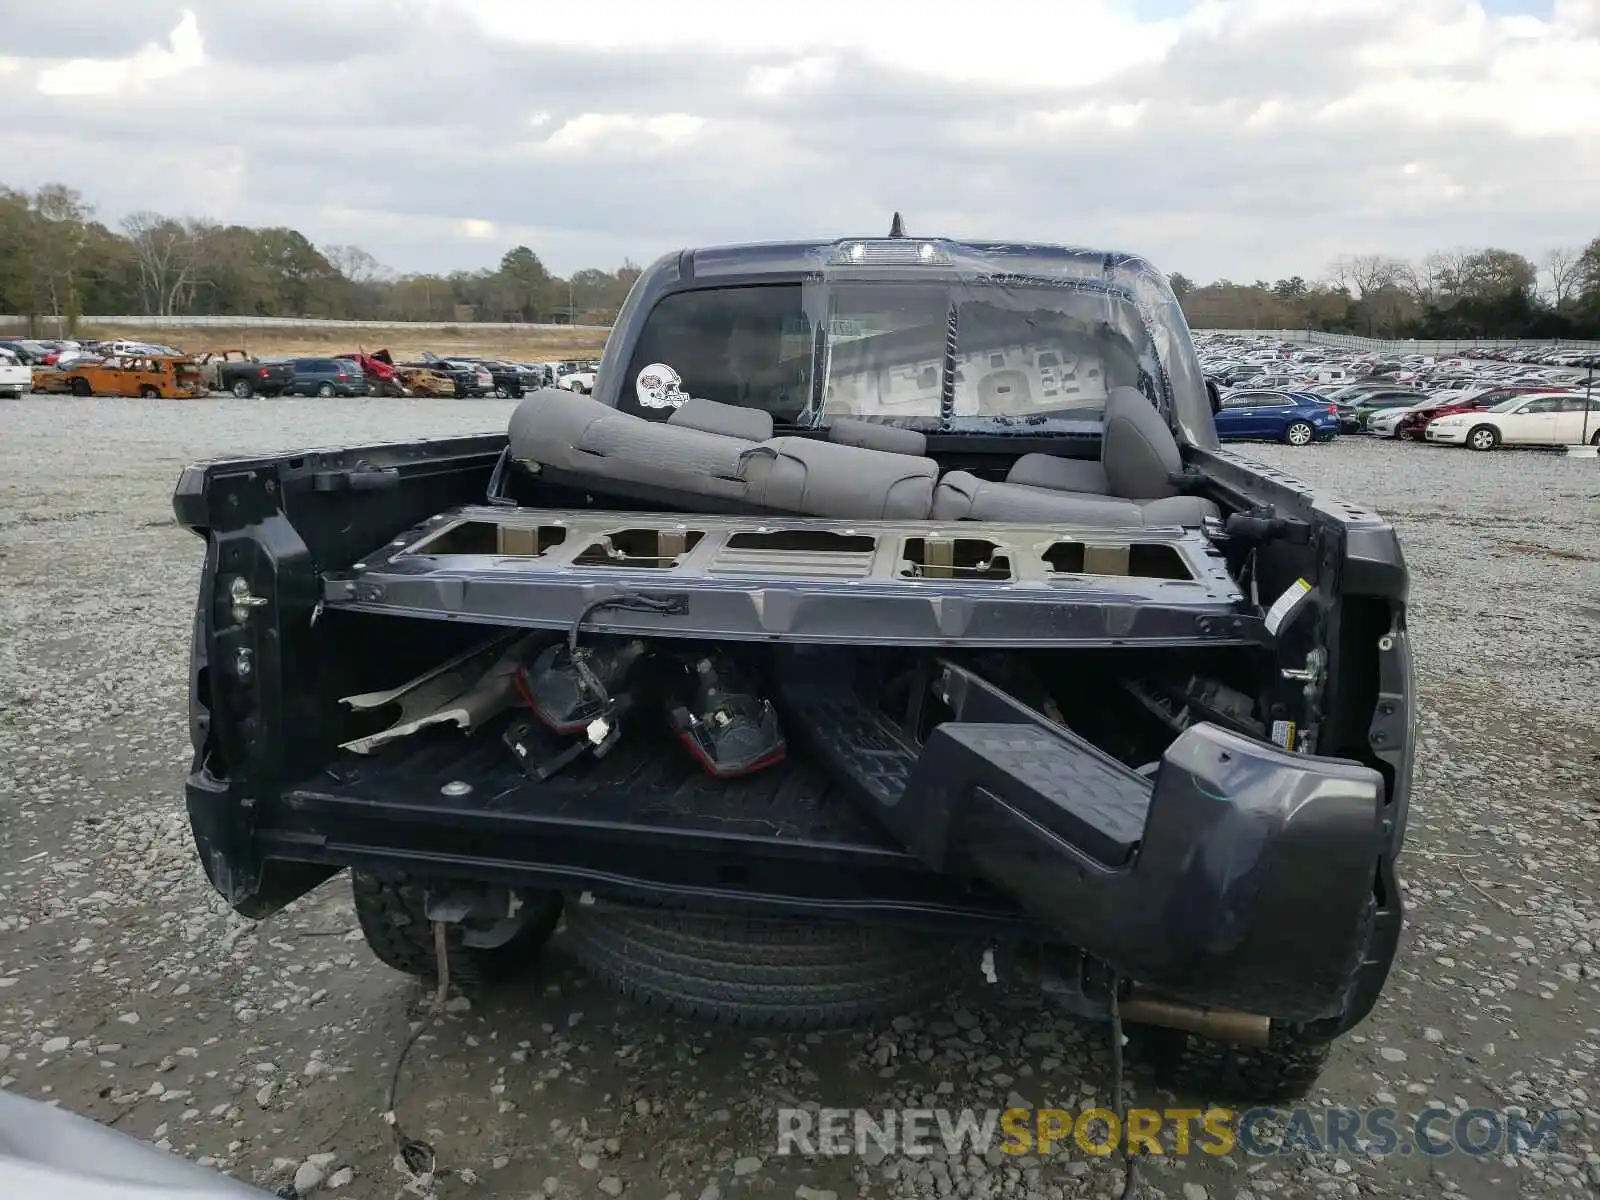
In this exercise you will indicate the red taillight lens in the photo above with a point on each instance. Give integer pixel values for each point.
(342, 375)
(264, 372)
(1334, 409)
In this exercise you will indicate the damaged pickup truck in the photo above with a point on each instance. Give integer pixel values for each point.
(889, 614)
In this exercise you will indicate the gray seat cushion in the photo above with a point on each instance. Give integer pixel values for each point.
(1138, 451)
(572, 433)
(964, 497)
(1138, 456)
(708, 416)
(875, 435)
(1060, 474)
(825, 479)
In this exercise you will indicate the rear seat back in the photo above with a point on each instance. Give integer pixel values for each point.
(824, 479)
(705, 450)
(747, 424)
(964, 497)
(875, 435)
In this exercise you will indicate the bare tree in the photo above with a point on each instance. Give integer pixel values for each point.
(355, 264)
(1450, 270)
(1360, 274)
(1563, 269)
(170, 254)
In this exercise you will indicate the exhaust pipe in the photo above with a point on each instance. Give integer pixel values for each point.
(1225, 1024)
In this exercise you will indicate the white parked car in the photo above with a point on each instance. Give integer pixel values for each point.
(577, 381)
(49, 1153)
(1537, 420)
(15, 376)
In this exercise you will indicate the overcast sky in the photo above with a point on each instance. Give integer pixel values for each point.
(1233, 138)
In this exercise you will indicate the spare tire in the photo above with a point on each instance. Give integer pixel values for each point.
(391, 911)
(760, 972)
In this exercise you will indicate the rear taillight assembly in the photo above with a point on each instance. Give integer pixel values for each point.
(264, 372)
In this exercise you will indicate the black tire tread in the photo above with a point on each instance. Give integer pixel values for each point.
(393, 919)
(755, 972)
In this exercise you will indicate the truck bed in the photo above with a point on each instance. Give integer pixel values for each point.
(642, 818)
(903, 583)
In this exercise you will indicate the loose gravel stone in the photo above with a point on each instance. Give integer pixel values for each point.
(308, 1178)
(105, 912)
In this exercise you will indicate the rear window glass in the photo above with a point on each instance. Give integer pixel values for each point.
(1025, 358)
(749, 346)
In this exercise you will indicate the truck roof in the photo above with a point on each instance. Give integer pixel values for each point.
(798, 258)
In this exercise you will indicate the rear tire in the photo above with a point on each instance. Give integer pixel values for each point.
(1209, 1069)
(394, 920)
(1300, 433)
(149, 393)
(1483, 437)
(80, 387)
(325, 391)
(759, 972)
(242, 389)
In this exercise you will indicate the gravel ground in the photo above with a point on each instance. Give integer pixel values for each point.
(130, 993)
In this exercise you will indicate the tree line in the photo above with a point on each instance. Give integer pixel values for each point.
(57, 262)
(1449, 294)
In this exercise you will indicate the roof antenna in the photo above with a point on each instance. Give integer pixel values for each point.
(897, 228)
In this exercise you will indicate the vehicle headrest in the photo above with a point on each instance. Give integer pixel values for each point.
(874, 435)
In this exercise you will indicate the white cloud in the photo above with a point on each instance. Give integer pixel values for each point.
(1241, 138)
(589, 130)
(151, 63)
(1010, 42)
(793, 76)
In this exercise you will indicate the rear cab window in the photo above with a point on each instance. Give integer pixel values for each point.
(1026, 358)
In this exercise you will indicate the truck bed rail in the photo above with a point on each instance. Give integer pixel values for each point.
(905, 583)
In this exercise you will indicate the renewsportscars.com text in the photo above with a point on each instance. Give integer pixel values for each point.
(1260, 1132)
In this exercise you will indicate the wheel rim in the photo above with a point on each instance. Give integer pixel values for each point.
(1299, 435)
(1482, 439)
(325, 390)
(241, 389)
(493, 933)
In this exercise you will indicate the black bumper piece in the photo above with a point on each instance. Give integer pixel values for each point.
(1240, 876)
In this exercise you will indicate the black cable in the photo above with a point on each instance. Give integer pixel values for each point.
(418, 1155)
(1130, 1164)
(629, 601)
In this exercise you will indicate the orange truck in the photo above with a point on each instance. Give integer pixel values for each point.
(154, 376)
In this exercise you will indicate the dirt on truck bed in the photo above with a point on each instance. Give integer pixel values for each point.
(129, 992)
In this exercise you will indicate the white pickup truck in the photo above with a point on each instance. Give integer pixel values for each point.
(15, 378)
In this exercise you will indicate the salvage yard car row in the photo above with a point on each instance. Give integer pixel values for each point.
(122, 368)
(1268, 388)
